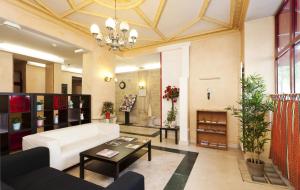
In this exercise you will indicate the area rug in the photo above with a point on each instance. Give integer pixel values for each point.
(271, 176)
(160, 173)
(142, 131)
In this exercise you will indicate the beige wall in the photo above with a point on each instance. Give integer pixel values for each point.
(62, 77)
(95, 66)
(259, 37)
(6, 72)
(140, 112)
(35, 79)
(259, 49)
(218, 56)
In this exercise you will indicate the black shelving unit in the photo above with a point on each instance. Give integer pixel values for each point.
(24, 106)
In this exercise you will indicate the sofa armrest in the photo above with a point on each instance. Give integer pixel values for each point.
(36, 140)
(128, 181)
(23, 162)
(4, 186)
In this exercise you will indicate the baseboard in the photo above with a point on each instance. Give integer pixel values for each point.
(235, 146)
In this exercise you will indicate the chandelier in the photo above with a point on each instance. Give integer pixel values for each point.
(116, 36)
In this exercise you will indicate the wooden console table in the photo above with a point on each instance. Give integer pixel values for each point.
(166, 129)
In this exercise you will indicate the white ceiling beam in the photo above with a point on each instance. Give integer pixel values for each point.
(80, 6)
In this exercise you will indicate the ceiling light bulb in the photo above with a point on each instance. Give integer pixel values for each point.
(130, 40)
(108, 40)
(124, 27)
(95, 30)
(99, 37)
(110, 23)
(133, 33)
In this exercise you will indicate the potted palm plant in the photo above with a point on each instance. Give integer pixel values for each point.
(253, 108)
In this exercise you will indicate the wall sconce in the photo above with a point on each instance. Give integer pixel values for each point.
(107, 77)
(142, 84)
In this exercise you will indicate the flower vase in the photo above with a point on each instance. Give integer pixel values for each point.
(173, 124)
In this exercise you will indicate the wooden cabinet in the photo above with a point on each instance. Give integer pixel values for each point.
(212, 129)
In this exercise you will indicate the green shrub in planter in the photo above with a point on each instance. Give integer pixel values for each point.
(253, 108)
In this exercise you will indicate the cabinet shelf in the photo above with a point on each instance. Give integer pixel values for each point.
(211, 129)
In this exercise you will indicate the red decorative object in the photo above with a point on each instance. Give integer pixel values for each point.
(171, 93)
(107, 115)
(19, 104)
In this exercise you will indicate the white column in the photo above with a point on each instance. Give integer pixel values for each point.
(175, 71)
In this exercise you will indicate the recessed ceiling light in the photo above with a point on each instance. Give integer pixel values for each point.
(36, 64)
(12, 25)
(78, 50)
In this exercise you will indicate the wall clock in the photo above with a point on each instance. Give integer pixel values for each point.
(122, 85)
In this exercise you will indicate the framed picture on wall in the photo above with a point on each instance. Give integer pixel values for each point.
(64, 88)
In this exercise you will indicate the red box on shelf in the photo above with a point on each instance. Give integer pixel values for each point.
(16, 103)
(56, 102)
(26, 104)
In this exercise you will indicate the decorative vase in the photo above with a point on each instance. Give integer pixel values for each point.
(39, 107)
(71, 104)
(81, 116)
(16, 126)
(173, 124)
(107, 115)
(40, 122)
(80, 105)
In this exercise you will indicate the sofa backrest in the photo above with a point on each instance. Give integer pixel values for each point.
(72, 134)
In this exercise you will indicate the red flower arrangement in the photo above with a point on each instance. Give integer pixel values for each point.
(171, 93)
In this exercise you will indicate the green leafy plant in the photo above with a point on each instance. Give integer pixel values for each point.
(252, 110)
(39, 103)
(16, 120)
(41, 118)
(107, 107)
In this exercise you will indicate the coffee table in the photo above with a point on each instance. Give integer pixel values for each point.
(111, 167)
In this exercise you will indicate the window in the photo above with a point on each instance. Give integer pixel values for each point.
(287, 36)
(284, 73)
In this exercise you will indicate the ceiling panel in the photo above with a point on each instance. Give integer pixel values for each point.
(258, 9)
(219, 9)
(178, 17)
(176, 14)
(56, 6)
(127, 15)
(150, 8)
(200, 27)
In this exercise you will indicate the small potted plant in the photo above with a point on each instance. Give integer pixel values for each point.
(55, 119)
(16, 123)
(39, 106)
(40, 121)
(171, 94)
(107, 109)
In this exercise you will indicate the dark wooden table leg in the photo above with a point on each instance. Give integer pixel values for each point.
(160, 134)
(166, 133)
(176, 137)
(81, 169)
(117, 171)
(149, 151)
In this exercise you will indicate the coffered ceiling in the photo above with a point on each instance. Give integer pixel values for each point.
(157, 21)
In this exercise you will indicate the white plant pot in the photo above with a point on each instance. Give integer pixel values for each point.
(106, 120)
(173, 124)
(16, 126)
(80, 105)
(40, 123)
(55, 120)
(39, 107)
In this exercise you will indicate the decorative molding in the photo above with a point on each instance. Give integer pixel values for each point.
(80, 6)
(159, 11)
(204, 8)
(71, 4)
(132, 5)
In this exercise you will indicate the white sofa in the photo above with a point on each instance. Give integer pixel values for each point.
(65, 144)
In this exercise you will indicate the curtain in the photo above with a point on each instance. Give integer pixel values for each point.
(285, 141)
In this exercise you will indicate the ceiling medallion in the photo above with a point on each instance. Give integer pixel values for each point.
(122, 4)
(116, 36)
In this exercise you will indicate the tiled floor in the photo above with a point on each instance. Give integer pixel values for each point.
(213, 169)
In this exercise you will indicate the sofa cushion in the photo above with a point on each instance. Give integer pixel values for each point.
(50, 179)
